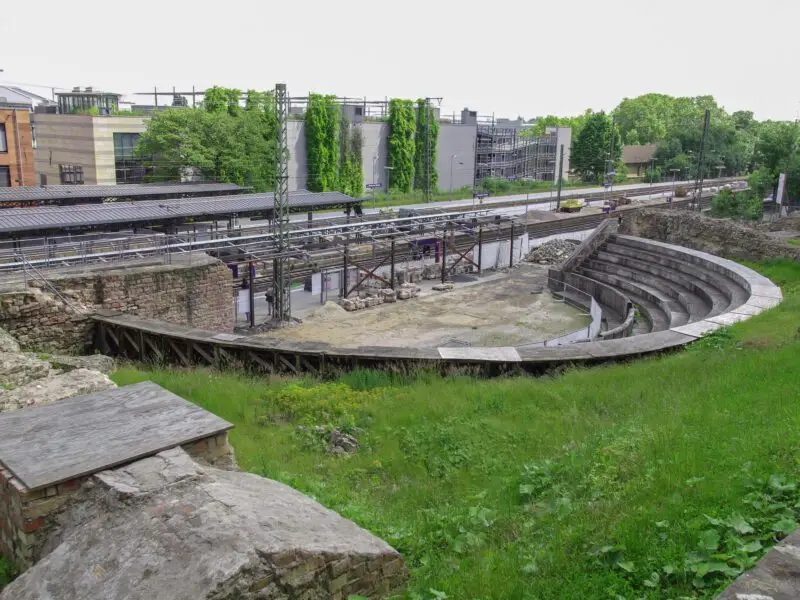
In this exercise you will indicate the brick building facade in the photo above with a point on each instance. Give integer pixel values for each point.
(16, 147)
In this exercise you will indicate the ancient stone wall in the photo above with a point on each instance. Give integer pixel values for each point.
(722, 237)
(194, 291)
(26, 516)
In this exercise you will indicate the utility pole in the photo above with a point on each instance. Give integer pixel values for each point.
(280, 265)
(427, 180)
(698, 188)
(560, 178)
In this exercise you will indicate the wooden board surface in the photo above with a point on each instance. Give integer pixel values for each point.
(49, 444)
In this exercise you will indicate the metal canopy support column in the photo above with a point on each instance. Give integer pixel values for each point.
(391, 273)
(480, 250)
(511, 248)
(280, 280)
(444, 256)
(345, 282)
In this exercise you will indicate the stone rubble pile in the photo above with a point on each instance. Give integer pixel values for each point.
(443, 287)
(404, 292)
(28, 379)
(552, 252)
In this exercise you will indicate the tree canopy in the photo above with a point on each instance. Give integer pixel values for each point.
(222, 140)
(597, 148)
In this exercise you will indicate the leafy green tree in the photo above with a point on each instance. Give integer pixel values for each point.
(401, 144)
(220, 99)
(762, 182)
(743, 120)
(645, 119)
(542, 123)
(223, 144)
(425, 117)
(592, 154)
(777, 141)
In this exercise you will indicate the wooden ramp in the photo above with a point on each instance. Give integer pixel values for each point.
(53, 443)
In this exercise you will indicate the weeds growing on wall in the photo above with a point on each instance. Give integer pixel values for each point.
(401, 144)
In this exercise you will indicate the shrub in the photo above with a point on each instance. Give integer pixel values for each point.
(333, 404)
(742, 205)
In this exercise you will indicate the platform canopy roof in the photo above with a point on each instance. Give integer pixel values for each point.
(16, 222)
(76, 194)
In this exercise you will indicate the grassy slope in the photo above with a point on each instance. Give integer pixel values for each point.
(620, 464)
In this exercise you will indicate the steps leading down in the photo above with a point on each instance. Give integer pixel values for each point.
(670, 286)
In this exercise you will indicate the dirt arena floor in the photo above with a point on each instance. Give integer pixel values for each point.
(503, 309)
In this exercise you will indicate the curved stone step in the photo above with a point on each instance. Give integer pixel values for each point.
(713, 298)
(692, 304)
(732, 291)
(739, 292)
(655, 307)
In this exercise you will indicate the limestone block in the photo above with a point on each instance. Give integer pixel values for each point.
(164, 527)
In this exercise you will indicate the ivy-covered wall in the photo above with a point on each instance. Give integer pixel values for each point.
(323, 118)
(401, 144)
(427, 128)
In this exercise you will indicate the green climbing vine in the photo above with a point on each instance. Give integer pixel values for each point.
(351, 173)
(401, 144)
(425, 118)
(323, 118)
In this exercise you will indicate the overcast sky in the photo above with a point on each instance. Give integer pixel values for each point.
(509, 58)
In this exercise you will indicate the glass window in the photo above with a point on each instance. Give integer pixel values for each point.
(3, 142)
(125, 145)
(5, 177)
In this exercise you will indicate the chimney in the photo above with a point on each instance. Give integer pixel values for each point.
(76, 89)
(89, 90)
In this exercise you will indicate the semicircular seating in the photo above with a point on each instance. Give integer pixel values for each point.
(670, 286)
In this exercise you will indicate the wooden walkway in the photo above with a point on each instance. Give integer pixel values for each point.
(49, 444)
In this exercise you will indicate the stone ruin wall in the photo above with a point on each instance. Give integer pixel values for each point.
(26, 516)
(196, 293)
(722, 237)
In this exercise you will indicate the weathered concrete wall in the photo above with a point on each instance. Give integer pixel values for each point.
(298, 166)
(374, 152)
(195, 292)
(722, 237)
(458, 141)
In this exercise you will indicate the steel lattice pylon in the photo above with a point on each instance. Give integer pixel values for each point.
(282, 312)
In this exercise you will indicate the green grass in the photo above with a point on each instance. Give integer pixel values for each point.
(659, 478)
(795, 242)
(7, 572)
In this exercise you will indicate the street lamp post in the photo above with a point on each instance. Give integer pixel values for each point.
(452, 158)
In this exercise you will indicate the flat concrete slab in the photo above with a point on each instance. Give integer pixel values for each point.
(507, 354)
(697, 329)
(729, 318)
(763, 301)
(748, 309)
(46, 445)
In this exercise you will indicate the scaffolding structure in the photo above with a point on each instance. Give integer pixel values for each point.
(503, 151)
